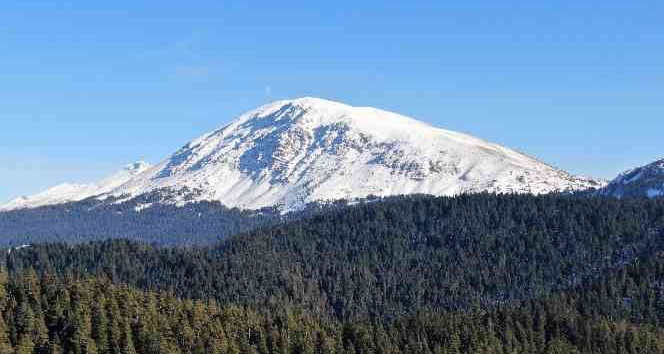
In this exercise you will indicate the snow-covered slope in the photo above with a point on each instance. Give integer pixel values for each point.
(645, 181)
(68, 192)
(289, 153)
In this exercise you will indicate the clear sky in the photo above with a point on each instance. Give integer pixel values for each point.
(87, 87)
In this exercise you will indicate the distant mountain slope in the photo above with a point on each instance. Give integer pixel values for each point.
(644, 181)
(161, 224)
(70, 192)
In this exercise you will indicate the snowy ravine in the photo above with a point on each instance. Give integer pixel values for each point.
(293, 152)
(71, 192)
(644, 181)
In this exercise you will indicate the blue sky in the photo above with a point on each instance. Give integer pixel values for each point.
(89, 86)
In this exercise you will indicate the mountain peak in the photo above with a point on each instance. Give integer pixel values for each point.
(291, 152)
(309, 113)
(306, 101)
(644, 181)
(658, 164)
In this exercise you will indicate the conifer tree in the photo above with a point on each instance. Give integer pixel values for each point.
(54, 345)
(5, 344)
(25, 345)
(127, 341)
(100, 324)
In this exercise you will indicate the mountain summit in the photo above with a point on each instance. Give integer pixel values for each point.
(289, 153)
(292, 152)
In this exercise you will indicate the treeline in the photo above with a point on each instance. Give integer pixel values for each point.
(50, 315)
(378, 261)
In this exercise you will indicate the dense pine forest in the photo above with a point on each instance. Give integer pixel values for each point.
(49, 315)
(470, 274)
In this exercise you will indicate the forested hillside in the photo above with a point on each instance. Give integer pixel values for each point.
(384, 259)
(469, 274)
(49, 315)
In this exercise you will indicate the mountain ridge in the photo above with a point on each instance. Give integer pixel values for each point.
(293, 152)
(643, 181)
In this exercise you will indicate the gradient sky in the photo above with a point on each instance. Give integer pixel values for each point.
(87, 87)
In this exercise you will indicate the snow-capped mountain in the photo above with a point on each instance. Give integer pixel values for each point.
(70, 192)
(289, 153)
(644, 181)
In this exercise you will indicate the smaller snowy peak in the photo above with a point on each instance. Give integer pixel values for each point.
(70, 192)
(138, 166)
(61, 193)
(644, 181)
(121, 177)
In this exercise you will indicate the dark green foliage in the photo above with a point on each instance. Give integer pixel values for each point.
(382, 260)
(98, 317)
(471, 274)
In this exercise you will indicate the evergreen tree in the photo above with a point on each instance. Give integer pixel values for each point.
(100, 333)
(5, 344)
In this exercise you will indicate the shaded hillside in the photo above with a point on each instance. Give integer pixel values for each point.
(138, 219)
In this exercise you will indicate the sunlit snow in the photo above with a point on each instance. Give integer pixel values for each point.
(289, 153)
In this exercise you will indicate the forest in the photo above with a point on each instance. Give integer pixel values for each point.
(468, 274)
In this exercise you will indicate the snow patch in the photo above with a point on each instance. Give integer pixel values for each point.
(653, 193)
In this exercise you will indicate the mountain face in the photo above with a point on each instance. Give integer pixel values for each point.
(293, 152)
(290, 153)
(70, 192)
(645, 181)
